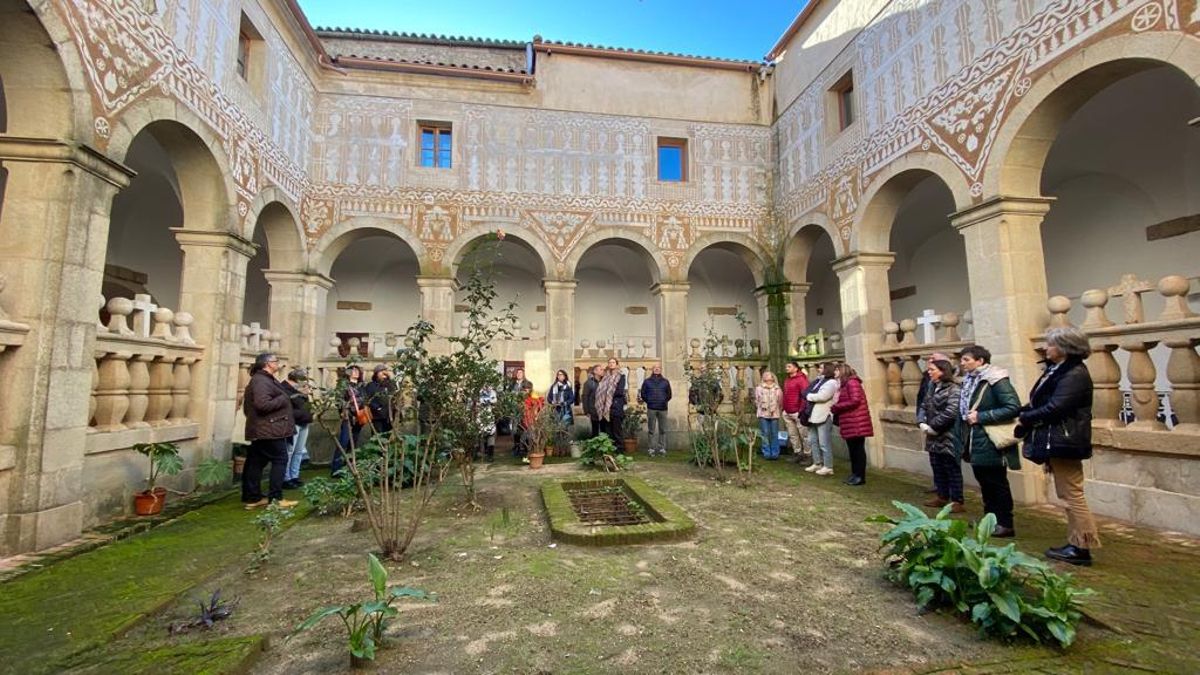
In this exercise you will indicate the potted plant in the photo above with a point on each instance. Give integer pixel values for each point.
(239, 458)
(542, 424)
(164, 459)
(635, 417)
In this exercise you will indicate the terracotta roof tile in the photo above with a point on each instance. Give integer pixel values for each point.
(462, 66)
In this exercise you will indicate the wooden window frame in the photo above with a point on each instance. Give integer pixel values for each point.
(672, 142)
(242, 63)
(439, 129)
(843, 92)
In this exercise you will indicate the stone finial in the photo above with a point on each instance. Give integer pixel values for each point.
(276, 342)
(335, 346)
(245, 335)
(756, 347)
(950, 321)
(1058, 306)
(119, 310)
(1130, 291)
(1095, 300)
(694, 343)
(835, 342)
(143, 314)
(100, 327)
(255, 336)
(891, 334)
(183, 328)
(162, 324)
(909, 328)
(534, 327)
(1174, 290)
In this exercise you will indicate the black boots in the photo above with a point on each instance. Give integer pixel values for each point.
(855, 480)
(1071, 554)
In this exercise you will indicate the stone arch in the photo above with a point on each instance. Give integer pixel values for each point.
(1024, 141)
(348, 231)
(276, 213)
(632, 239)
(878, 206)
(802, 236)
(749, 250)
(49, 70)
(462, 244)
(204, 179)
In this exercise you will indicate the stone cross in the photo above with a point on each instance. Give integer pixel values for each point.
(1130, 291)
(254, 336)
(928, 320)
(143, 310)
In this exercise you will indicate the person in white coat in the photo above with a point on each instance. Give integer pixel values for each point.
(821, 396)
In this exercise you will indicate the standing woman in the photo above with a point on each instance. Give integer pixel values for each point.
(1057, 426)
(987, 397)
(352, 403)
(939, 420)
(821, 395)
(768, 399)
(610, 402)
(562, 397)
(854, 421)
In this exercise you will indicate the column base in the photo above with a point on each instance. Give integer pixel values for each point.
(28, 532)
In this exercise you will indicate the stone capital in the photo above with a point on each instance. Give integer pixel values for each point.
(437, 282)
(559, 284)
(990, 208)
(55, 151)
(305, 278)
(863, 259)
(229, 240)
(668, 287)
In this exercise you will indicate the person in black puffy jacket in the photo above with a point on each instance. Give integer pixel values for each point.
(298, 390)
(656, 394)
(1057, 428)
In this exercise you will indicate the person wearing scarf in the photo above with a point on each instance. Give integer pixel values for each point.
(610, 402)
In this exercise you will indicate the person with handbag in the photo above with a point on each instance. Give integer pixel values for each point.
(938, 420)
(822, 394)
(1057, 428)
(355, 415)
(988, 405)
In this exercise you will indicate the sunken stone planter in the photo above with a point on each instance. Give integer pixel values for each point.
(612, 511)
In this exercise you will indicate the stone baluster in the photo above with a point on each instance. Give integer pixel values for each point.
(725, 382)
(181, 390)
(1142, 374)
(112, 391)
(1059, 306)
(276, 342)
(1174, 290)
(909, 328)
(1106, 386)
(354, 343)
(139, 390)
(1094, 301)
(183, 328)
(910, 377)
(694, 343)
(162, 379)
(895, 389)
(891, 335)
(950, 321)
(162, 324)
(119, 310)
(1183, 370)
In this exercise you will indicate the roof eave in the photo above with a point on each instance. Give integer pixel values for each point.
(433, 69)
(782, 42)
(675, 60)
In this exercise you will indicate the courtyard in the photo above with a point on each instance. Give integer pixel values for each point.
(781, 576)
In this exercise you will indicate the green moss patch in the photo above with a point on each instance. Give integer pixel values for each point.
(215, 657)
(667, 521)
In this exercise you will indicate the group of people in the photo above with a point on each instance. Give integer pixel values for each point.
(278, 416)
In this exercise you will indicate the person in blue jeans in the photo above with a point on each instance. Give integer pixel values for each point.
(298, 391)
(352, 403)
(768, 401)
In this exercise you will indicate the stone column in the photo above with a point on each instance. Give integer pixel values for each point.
(773, 333)
(298, 306)
(866, 307)
(797, 312)
(212, 288)
(560, 323)
(53, 235)
(437, 307)
(673, 350)
(1007, 274)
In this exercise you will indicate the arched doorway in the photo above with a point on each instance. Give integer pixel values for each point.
(816, 292)
(614, 306)
(375, 297)
(722, 295)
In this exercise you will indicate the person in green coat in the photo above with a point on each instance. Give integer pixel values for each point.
(988, 397)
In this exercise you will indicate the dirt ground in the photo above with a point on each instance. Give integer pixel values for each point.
(780, 577)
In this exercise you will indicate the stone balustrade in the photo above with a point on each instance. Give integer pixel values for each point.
(12, 334)
(1123, 361)
(901, 354)
(626, 348)
(815, 348)
(142, 380)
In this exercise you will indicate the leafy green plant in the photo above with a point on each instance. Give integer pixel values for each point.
(332, 495)
(269, 521)
(635, 419)
(366, 621)
(164, 460)
(1005, 593)
(601, 451)
(213, 472)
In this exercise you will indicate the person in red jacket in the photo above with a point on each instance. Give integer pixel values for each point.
(795, 385)
(854, 421)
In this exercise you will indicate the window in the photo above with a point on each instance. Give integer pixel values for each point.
(843, 91)
(251, 56)
(436, 145)
(672, 160)
(243, 55)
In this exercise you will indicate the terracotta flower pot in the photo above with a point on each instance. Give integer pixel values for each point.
(150, 503)
(631, 445)
(239, 465)
(535, 460)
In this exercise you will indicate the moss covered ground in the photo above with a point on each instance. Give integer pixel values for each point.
(782, 577)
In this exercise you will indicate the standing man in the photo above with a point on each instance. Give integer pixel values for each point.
(795, 386)
(595, 373)
(298, 391)
(656, 393)
(269, 424)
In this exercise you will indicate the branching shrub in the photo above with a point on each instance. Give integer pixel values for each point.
(1006, 593)
(332, 495)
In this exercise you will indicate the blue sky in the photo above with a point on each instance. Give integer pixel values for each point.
(704, 27)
